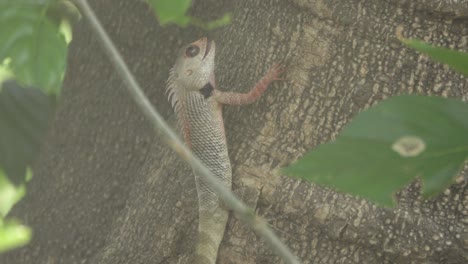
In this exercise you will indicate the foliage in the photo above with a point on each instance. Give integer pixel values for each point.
(32, 43)
(33, 52)
(174, 11)
(24, 116)
(9, 193)
(386, 146)
(12, 233)
(456, 59)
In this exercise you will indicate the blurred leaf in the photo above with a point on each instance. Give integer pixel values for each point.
(171, 11)
(456, 59)
(66, 30)
(34, 44)
(388, 145)
(5, 72)
(63, 13)
(13, 235)
(174, 11)
(63, 10)
(9, 194)
(24, 116)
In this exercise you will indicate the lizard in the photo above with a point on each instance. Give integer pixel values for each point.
(192, 92)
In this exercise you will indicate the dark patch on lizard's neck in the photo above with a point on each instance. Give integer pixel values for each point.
(207, 90)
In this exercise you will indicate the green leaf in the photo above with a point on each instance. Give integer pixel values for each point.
(9, 194)
(24, 117)
(388, 145)
(455, 59)
(5, 72)
(36, 48)
(63, 10)
(174, 11)
(171, 11)
(13, 235)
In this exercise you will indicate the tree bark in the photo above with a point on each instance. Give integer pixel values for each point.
(107, 190)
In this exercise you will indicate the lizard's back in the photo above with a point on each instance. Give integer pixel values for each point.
(208, 143)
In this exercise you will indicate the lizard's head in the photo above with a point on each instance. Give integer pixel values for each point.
(194, 67)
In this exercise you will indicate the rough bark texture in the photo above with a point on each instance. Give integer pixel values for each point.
(107, 190)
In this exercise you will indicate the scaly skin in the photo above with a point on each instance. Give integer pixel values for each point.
(197, 103)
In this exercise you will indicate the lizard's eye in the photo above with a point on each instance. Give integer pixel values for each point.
(192, 51)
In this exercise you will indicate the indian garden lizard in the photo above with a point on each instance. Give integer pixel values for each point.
(197, 103)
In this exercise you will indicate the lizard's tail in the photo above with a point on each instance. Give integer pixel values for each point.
(211, 226)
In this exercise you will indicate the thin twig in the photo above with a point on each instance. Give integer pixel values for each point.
(247, 214)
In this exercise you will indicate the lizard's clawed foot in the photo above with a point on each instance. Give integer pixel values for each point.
(275, 72)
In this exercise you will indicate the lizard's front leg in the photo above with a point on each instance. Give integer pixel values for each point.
(231, 98)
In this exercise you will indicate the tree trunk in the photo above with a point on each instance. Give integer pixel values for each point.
(107, 190)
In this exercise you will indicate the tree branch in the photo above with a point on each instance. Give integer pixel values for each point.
(245, 213)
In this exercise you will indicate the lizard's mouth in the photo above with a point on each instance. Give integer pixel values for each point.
(207, 49)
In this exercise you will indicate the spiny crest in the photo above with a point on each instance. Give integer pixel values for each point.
(175, 98)
(171, 90)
